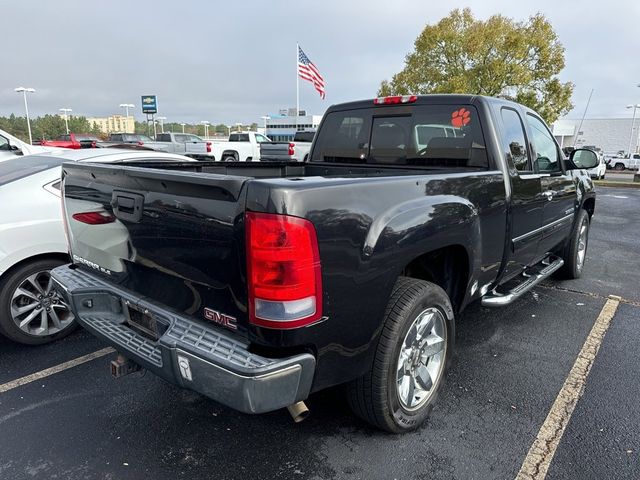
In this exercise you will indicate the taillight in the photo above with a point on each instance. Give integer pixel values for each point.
(396, 99)
(208, 147)
(291, 149)
(94, 218)
(65, 223)
(283, 271)
(140, 142)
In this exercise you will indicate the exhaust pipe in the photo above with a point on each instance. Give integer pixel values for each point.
(298, 411)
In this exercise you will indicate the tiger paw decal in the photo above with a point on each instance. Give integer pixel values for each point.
(460, 117)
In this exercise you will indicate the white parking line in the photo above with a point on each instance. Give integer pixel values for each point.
(536, 464)
(53, 370)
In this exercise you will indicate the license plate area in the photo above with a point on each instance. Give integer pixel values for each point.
(143, 322)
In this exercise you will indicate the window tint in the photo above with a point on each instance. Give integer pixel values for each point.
(17, 168)
(233, 137)
(424, 135)
(4, 143)
(163, 137)
(547, 157)
(515, 145)
(116, 137)
(239, 137)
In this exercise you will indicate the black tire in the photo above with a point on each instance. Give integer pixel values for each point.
(374, 397)
(573, 267)
(229, 158)
(8, 285)
(619, 166)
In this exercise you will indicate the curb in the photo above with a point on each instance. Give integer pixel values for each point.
(607, 183)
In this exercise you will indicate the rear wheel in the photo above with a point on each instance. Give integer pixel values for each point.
(619, 166)
(31, 312)
(414, 350)
(229, 158)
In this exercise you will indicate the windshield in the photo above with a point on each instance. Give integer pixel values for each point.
(17, 168)
(421, 135)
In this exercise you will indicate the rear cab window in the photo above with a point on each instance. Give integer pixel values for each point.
(442, 136)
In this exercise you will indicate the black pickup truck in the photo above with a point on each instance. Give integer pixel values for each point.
(258, 284)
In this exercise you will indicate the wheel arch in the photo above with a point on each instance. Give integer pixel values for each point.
(448, 267)
(34, 258)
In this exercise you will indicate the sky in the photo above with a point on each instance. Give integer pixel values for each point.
(235, 61)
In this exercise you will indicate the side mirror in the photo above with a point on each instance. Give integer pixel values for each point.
(584, 158)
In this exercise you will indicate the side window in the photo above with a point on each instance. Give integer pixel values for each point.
(4, 143)
(515, 144)
(234, 137)
(261, 139)
(547, 158)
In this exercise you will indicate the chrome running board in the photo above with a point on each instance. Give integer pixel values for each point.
(498, 299)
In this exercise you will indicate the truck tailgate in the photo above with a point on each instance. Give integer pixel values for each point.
(171, 237)
(195, 147)
(275, 151)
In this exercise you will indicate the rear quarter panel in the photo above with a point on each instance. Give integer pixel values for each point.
(369, 230)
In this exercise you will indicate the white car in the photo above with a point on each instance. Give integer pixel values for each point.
(600, 170)
(12, 147)
(32, 239)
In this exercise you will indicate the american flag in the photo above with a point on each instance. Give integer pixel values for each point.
(308, 71)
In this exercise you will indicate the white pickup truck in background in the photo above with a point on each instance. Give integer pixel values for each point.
(295, 151)
(184, 144)
(241, 147)
(631, 162)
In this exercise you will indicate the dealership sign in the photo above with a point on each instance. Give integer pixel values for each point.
(149, 104)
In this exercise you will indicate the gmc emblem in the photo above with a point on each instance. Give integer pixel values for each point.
(220, 318)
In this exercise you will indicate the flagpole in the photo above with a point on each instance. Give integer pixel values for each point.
(297, 86)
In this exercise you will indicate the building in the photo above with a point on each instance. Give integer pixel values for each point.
(114, 124)
(610, 134)
(282, 128)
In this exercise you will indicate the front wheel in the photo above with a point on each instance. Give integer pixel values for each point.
(414, 350)
(575, 253)
(31, 312)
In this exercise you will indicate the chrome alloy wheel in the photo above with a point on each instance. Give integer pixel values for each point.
(582, 244)
(37, 309)
(422, 359)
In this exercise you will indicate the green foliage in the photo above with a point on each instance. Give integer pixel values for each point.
(48, 127)
(496, 57)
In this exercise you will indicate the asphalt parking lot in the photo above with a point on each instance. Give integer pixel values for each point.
(509, 366)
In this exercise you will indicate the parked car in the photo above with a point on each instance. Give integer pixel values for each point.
(295, 151)
(32, 239)
(12, 147)
(74, 141)
(599, 172)
(266, 282)
(240, 147)
(185, 144)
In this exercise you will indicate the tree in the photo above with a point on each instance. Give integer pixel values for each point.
(496, 57)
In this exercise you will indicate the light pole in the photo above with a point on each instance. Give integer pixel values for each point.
(228, 128)
(162, 119)
(24, 91)
(182, 125)
(127, 106)
(66, 112)
(239, 125)
(633, 121)
(206, 128)
(265, 118)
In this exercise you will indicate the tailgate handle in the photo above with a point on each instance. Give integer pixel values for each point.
(127, 205)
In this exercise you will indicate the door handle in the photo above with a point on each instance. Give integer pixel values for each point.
(549, 194)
